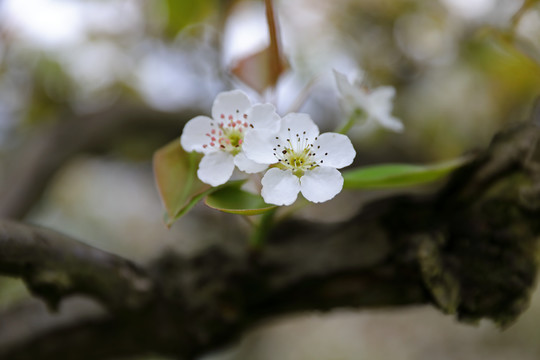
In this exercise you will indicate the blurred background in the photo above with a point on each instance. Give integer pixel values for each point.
(89, 89)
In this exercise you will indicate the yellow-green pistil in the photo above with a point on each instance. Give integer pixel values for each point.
(296, 154)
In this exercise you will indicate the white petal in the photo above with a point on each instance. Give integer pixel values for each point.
(383, 95)
(352, 95)
(381, 108)
(343, 84)
(234, 103)
(216, 168)
(358, 80)
(297, 125)
(321, 184)
(247, 165)
(264, 117)
(391, 123)
(194, 136)
(380, 101)
(333, 150)
(258, 146)
(280, 187)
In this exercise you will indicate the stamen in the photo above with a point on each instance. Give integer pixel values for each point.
(296, 155)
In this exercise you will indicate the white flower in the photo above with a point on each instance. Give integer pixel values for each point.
(304, 161)
(220, 138)
(375, 104)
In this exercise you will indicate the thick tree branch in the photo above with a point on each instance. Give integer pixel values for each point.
(469, 248)
(54, 266)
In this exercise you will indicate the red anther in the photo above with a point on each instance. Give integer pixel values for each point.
(213, 138)
(240, 141)
(205, 146)
(212, 144)
(238, 122)
(245, 116)
(222, 116)
(230, 117)
(213, 131)
(245, 124)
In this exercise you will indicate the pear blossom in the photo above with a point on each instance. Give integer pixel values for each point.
(221, 137)
(375, 104)
(301, 160)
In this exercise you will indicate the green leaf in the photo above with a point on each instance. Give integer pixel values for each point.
(398, 175)
(188, 204)
(176, 180)
(232, 199)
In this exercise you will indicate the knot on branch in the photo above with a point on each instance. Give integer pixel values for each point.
(480, 260)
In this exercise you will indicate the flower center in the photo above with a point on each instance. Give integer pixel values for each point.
(228, 134)
(295, 153)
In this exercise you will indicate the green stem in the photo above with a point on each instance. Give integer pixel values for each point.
(261, 230)
(356, 116)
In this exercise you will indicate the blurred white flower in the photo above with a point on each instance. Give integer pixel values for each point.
(375, 105)
(304, 161)
(220, 138)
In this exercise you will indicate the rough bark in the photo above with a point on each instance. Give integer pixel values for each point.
(468, 248)
(55, 266)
